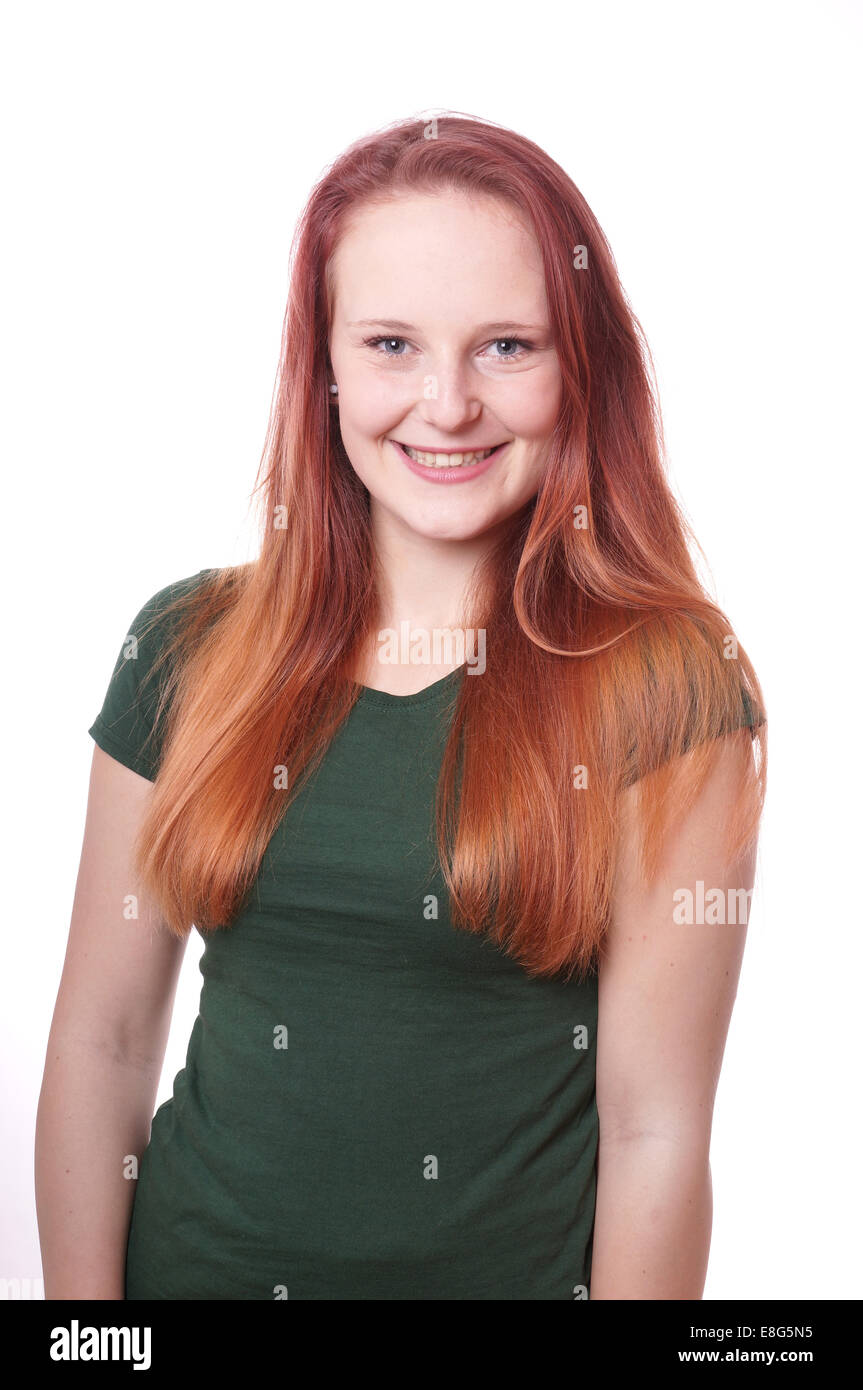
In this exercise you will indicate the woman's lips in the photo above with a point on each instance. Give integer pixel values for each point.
(460, 473)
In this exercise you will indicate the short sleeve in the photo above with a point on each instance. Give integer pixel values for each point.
(750, 716)
(127, 727)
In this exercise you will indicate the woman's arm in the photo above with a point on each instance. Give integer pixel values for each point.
(666, 991)
(105, 1051)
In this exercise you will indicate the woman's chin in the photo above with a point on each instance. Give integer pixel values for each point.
(448, 526)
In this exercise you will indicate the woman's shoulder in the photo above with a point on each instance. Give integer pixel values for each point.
(189, 585)
(131, 720)
(205, 593)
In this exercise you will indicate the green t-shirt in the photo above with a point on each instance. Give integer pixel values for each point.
(429, 1130)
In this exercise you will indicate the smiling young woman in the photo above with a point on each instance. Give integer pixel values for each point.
(453, 1041)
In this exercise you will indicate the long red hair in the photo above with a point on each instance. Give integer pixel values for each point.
(603, 650)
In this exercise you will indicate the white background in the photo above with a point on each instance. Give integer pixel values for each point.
(155, 160)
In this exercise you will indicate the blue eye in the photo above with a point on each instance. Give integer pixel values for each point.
(510, 356)
(521, 343)
(374, 342)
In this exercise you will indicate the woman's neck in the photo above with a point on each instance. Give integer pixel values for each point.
(423, 584)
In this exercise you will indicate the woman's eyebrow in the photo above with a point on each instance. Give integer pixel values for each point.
(504, 326)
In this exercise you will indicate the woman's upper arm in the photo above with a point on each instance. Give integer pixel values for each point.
(666, 986)
(120, 972)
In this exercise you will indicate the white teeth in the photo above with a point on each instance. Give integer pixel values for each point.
(448, 460)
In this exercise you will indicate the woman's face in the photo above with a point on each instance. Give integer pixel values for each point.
(440, 342)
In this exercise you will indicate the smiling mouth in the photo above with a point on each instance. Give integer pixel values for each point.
(433, 459)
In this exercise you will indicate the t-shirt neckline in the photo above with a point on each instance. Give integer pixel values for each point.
(384, 699)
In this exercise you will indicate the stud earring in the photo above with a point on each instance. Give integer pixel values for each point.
(334, 389)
